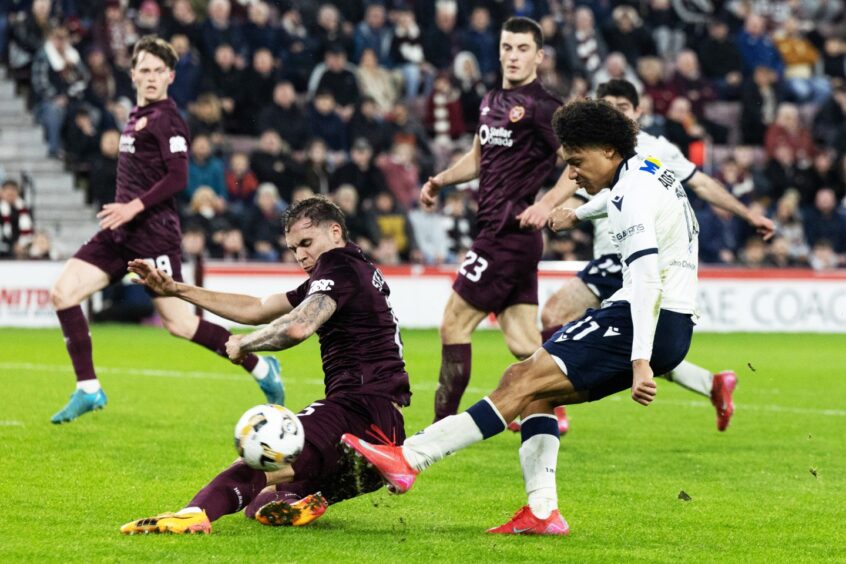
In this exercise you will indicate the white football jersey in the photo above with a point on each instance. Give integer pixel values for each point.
(649, 213)
(647, 146)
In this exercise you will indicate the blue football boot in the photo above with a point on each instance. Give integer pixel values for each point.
(271, 384)
(80, 403)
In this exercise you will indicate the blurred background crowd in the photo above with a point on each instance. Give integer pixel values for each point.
(363, 101)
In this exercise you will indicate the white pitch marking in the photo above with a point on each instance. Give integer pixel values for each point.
(421, 386)
(11, 423)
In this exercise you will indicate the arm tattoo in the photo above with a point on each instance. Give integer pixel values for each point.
(313, 312)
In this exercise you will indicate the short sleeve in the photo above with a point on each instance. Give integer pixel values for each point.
(298, 294)
(634, 224)
(172, 136)
(335, 277)
(544, 110)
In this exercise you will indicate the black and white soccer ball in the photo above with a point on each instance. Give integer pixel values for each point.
(269, 436)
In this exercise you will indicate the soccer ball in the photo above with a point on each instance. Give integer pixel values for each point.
(269, 436)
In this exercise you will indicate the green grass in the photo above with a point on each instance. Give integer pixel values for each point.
(65, 490)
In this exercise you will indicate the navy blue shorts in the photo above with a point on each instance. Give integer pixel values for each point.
(603, 276)
(595, 351)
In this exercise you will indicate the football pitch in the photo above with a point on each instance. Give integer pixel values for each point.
(771, 488)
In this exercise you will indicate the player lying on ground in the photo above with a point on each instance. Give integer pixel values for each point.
(603, 275)
(644, 328)
(513, 154)
(143, 222)
(345, 301)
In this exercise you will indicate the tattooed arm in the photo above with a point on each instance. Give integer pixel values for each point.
(287, 331)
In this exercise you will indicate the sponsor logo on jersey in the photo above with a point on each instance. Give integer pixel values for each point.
(629, 231)
(650, 165)
(667, 178)
(178, 144)
(127, 144)
(378, 280)
(618, 202)
(516, 113)
(320, 286)
(495, 136)
(141, 123)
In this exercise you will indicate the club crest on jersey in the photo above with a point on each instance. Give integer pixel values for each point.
(141, 123)
(516, 113)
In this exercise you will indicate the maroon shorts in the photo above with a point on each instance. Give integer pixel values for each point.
(500, 271)
(322, 466)
(109, 252)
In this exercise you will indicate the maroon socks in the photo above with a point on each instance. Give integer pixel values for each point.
(214, 337)
(78, 341)
(230, 491)
(452, 380)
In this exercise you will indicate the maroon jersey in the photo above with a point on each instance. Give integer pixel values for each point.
(153, 166)
(360, 344)
(518, 152)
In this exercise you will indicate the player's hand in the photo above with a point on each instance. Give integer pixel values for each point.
(156, 280)
(763, 225)
(562, 218)
(113, 216)
(429, 194)
(535, 216)
(233, 349)
(643, 383)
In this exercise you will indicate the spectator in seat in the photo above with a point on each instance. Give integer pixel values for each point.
(787, 129)
(461, 226)
(148, 18)
(261, 77)
(401, 174)
(183, 21)
(286, 117)
(103, 177)
(15, 220)
(330, 31)
(471, 88)
(232, 247)
(374, 33)
(226, 81)
(362, 228)
(801, 60)
(263, 228)
(361, 173)
(241, 183)
(824, 256)
(719, 238)
(754, 253)
(82, 141)
(396, 235)
(779, 255)
(336, 77)
(369, 124)
(825, 222)
(721, 61)
(26, 37)
(116, 34)
(317, 167)
(326, 124)
(584, 45)
(782, 173)
(59, 80)
(218, 29)
(626, 34)
(208, 210)
(376, 82)
(444, 119)
(205, 117)
(441, 42)
(407, 51)
(189, 72)
(204, 169)
(258, 31)
(789, 225)
(683, 129)
(756, 48)
(40, 248)
(272, 163)
(482, 42)
(651, 72)
(759, 101)
(616, 66)
(405, 127)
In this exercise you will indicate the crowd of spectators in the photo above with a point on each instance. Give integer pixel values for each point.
(362, 101)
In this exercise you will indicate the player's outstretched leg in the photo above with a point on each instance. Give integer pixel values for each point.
(88, 396)
(717, 387)
(229, 492)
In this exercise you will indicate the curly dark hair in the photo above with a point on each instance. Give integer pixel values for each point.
(155, 46)
(318, 209)
(593, 124)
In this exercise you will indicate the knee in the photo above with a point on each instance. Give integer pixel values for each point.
(182, 327)
(514, 381)
(61, 297)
